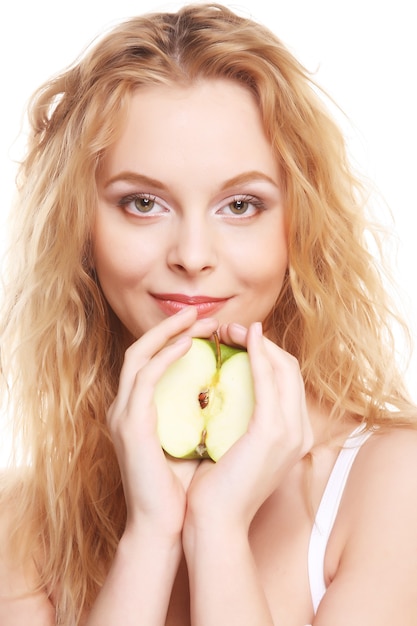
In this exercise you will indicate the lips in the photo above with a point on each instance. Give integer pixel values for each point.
(172, 303)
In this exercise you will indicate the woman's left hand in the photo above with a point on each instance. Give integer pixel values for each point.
(228, 493)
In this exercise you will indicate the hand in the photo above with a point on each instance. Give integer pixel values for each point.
(229, 493)
(154, 487)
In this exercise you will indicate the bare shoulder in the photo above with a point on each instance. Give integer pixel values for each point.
(381, 491)
(19, 605)
(382, 486)
(387, 460)
(383, 480)
(372, 573)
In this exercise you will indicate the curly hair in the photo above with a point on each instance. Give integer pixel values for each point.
(62, 347)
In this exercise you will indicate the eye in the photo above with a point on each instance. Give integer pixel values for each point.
(245, 206)
(238, 207)
(143, 205)
(140, 204)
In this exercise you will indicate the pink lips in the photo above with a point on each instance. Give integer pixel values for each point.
(172, 303)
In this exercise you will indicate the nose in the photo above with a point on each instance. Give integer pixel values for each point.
(193, 248)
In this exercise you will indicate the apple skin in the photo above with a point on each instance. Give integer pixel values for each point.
(204, 403)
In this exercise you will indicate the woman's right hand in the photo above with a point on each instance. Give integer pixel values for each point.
(154, 486)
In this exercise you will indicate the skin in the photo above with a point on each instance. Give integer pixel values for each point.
(226, 543)
(213, 220)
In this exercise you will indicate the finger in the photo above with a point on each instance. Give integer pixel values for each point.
(183, 323)
(150, 374)
(140, 416)
(133, 366)
(233, 335)
(285, 365)
(203, 328)
(263, 372)
(157, 337)
(140, 352)
(279, 390)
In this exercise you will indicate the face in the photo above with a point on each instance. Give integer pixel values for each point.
(190, 209)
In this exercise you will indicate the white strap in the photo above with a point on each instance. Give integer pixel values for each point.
(327, 512)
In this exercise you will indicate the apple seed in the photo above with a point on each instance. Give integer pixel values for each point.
(203, 398)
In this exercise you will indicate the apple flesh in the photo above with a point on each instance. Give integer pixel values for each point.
(204, 401)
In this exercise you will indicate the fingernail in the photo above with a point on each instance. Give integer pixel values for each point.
(238, 327)
(257, 326)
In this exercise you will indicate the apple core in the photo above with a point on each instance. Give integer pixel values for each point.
(204, 401)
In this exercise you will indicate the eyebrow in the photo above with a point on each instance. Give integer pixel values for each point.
(247, 177)
(240, 179)
(135, 178)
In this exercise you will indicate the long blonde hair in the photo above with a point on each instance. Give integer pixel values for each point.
(62, 347)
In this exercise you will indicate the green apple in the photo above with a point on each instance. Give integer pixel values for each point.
(204, 401)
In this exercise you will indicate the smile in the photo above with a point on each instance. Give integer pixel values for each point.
(172, 303)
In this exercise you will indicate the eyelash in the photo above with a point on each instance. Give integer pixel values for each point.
(253, 201)
(134, 197)
(257, 203)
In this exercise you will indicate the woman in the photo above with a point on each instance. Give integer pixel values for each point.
(184, 178)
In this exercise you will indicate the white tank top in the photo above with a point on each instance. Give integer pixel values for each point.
(327, 511)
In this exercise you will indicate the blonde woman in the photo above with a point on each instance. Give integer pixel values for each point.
(183, 177)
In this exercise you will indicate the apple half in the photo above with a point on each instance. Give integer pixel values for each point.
(204, 401)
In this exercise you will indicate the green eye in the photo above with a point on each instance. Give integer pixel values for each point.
(144, 205)
(239, 206)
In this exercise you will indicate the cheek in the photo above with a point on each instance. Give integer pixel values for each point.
(265, 261)
(266, 265)
(120, 261)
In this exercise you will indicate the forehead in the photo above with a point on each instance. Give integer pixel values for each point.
(211, 123)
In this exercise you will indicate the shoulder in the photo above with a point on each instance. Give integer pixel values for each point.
(381, 490)
(383, 477)
(19, 603)
(371, 562)
(387, 459)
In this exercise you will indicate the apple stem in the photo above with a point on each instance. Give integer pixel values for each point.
(218, 350)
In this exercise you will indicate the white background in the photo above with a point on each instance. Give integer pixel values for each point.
(363, 53)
